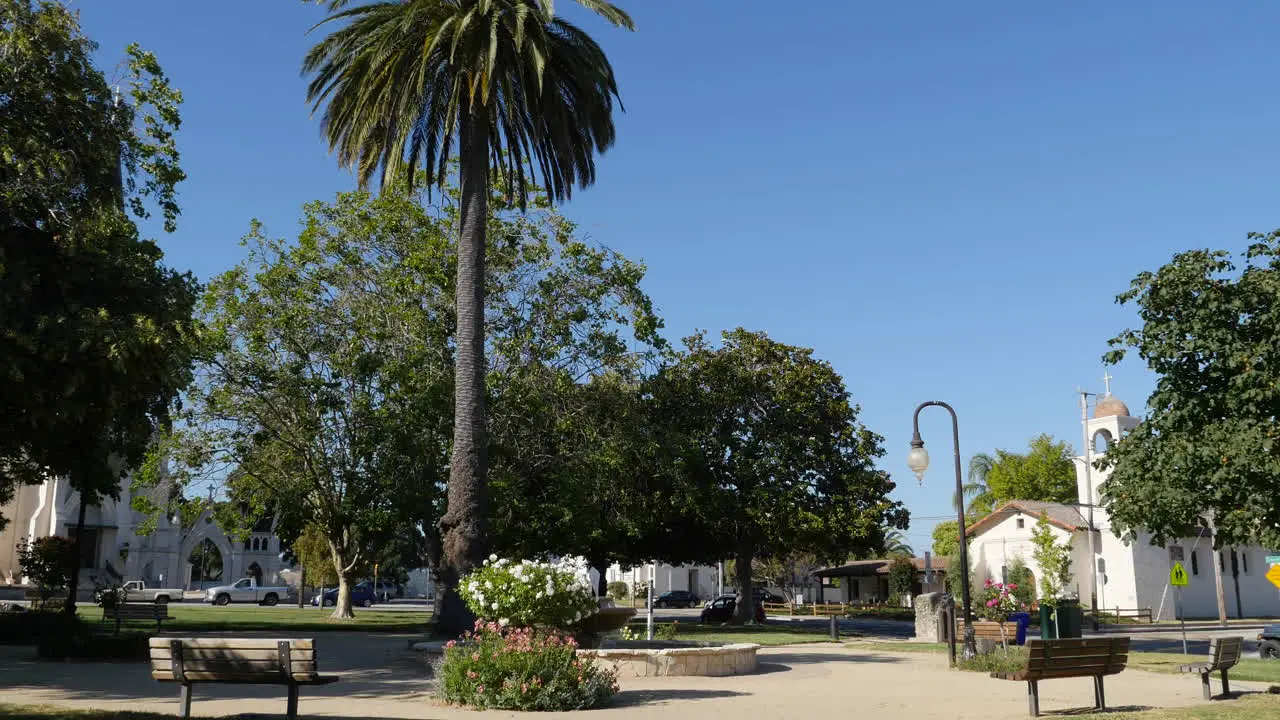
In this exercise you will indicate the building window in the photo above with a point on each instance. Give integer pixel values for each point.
(246, 543)
(1021, 523)
(1195, 563)
(1244, 562)
(1222, 562)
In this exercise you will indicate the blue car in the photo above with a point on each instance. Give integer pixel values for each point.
(362, 595)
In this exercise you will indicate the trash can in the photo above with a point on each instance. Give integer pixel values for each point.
(1070, 619)
(1048, 629)
(1023, 620)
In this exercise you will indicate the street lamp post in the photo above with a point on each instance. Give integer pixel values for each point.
(918, 461)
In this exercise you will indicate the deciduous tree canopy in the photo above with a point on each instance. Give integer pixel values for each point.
(1208, 446)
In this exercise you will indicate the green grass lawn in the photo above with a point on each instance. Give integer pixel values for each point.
(1251, 707)
(759, 634)
(1249, 669)
(206, 618)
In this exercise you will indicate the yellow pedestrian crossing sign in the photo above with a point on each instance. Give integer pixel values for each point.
(1178, 575)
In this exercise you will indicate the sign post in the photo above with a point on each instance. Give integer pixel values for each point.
(1178, 579)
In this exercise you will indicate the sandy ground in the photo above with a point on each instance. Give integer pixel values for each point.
(382, 679)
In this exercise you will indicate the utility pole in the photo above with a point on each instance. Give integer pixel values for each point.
(1088, 484)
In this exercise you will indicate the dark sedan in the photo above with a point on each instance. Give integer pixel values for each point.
(677, 599)
(722, 609)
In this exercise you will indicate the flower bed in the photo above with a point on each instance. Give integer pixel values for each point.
(507, 668)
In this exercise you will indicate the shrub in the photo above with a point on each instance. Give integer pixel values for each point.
(902, 576)
(529, 594)
(47, 562)
(27, 628)
(669, 631)
(642, 591)
(997, 602)
(1019, 576)
(522, 669)
(1013, 660)
(618, 590)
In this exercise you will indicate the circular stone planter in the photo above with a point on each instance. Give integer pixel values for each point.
(639, 658)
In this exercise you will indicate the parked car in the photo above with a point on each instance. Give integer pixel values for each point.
(362, 595)
(137, 591)
(677, 599)
(1269, 643)
(387, 590)
(246, 590)
(764, 595)
(722, 609)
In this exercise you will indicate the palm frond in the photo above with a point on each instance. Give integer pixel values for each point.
(394, 80)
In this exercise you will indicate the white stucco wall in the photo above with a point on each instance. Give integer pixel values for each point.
(701, 579)
(997, 547)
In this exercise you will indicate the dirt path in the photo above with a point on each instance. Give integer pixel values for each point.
(382, 679)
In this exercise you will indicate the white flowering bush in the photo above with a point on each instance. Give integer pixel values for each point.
(529, 593)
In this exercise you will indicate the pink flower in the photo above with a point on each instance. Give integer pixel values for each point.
(990, 582)
(1012, 586)
(475, 657)
(479, 688)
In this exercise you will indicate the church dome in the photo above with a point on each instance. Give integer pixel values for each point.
(1110, 406)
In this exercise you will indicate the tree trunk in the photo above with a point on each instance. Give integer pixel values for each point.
(463, 524)
(746, 608)
(342, 608)
(342, 565)
(601, 566)
(73, 582)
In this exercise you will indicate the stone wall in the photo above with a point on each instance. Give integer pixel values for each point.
(735, 659)
(928, 625)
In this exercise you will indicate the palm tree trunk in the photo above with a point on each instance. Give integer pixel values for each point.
(463, 524)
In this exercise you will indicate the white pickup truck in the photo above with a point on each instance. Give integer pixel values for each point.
(137, 591)
(246, 590)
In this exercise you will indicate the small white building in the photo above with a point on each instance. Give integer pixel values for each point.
(1125, 576)
(702, 580)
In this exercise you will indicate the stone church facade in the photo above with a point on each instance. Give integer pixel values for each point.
(115, 550)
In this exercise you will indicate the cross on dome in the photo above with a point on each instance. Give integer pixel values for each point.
(1106, 381)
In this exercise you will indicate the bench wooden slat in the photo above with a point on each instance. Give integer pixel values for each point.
(189, 654)
(247, 678)
(259, 667)
(234, 643)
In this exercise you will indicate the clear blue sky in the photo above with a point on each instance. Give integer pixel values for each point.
(941, 198)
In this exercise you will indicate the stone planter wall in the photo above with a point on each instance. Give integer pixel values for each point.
(718, 661)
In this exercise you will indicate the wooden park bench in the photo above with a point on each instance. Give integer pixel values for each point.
(1224, 654)
(988, 630)
(125, 612)
(1053, 659)
(246, 661)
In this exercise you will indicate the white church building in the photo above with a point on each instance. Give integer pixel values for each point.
(1128, 577)
(115, 550)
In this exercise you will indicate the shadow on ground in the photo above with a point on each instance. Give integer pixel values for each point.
(1095, 711)
(798, 658)
(631, 698)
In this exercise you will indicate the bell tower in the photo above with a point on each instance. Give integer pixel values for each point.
(1109, 424)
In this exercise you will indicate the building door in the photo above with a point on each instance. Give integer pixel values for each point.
(89, 548)
(693, 582)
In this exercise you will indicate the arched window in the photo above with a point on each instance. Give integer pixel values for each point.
(206, 562)
(1101, 441)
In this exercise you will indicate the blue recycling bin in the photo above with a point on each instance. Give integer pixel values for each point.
(1023, 620)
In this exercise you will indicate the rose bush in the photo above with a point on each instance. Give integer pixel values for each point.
(529, 593)
(997, 602)
(508, 668)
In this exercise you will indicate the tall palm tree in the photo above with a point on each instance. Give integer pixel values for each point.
(895, 544)
(525, 94)
(976, 493)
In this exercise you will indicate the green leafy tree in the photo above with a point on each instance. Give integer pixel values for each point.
(46, 562)
(767, 441)
(1045, 472)
(523, 92)
(902, 576)
(946, 538)
(1208, 447)
(312, 548)
(1054, 559)
(96, 330)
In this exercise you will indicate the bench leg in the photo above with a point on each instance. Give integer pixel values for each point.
(293, 702)
(1204, 686)
(1226, 685)
(184, 701)
(1099, 695)
(1033, 697)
